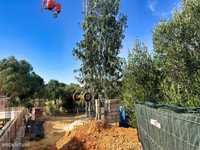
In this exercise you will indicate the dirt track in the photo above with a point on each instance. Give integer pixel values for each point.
(90, 136)
(53, 132)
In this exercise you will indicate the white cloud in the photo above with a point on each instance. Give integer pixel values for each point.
(163, 9)
(152, 5)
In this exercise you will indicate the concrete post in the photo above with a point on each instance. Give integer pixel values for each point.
(98, 109)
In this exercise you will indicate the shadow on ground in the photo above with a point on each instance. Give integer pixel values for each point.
(74, 144)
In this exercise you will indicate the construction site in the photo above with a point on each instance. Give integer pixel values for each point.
(32, 131)
(100, 75)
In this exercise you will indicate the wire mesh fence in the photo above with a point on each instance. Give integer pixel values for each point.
(163, 127)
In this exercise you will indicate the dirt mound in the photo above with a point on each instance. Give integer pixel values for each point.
(95, 126)
(95, 135)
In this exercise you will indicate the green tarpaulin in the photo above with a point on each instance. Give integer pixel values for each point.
(164, 127)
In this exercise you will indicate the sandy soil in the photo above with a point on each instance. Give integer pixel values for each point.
(92, 135)
(53, 132)
(98, 136)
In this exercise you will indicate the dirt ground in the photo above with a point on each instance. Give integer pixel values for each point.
(53, 132)
(92, 135)
(98, 136)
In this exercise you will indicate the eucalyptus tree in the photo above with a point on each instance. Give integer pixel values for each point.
(98, 51)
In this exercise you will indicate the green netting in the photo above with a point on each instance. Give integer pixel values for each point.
(163, 127)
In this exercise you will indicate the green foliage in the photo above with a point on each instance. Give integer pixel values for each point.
(25, 87)
(37, 86)
(98, 51)
(172, 75)
(56, 91)
(142, 79)
(52, 108)
(17, 79)
(69, 103)
(178, 41)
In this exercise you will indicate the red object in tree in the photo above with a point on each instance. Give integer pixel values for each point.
(50, 4)
(57, 7)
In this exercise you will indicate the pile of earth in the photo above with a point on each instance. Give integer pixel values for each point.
(95, 135)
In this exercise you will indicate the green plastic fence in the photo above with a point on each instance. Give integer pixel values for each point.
(163, 127)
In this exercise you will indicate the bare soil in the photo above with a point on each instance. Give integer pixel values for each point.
(98, 136)
(53, 132)
(93, 135)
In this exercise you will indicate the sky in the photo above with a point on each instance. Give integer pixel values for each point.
(30, 33)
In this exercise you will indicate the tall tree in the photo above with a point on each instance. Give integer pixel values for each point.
(177, 40)
(55, 90)
(36, 86)
(17, 79)
(98, 51)
(141, 80)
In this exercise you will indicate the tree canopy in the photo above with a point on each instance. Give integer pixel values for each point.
(19, 82)
(171, 73)
(17, 79)
(98, 51)
(177, 40)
